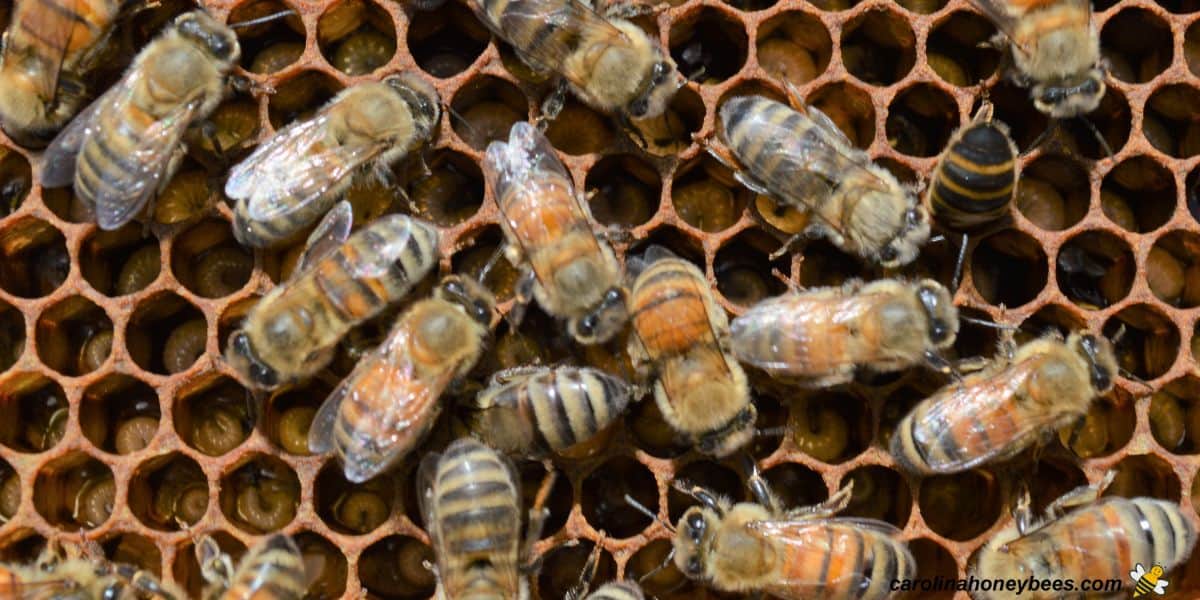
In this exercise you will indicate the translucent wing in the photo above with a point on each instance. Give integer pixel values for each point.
(262, 567)
(330, 233)
(58, 162)
(523, 160)
(382, 251)
(1080, 540)
(801, 322)
(1005, 14)
(52, 24)
(426, 476)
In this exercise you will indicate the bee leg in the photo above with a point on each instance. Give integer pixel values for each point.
(244, 85)
(1022, 513)
(758, 486)
(835, 504)
(1083, 494)
(632, 10)
(523, 295)
(538, 514)
(508, 375)
(552, 105)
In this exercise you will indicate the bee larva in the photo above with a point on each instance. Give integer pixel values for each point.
(363, 52)
(273, 569)
(93, 503)
(95, 351)
(135, 434)
(820, 431)
(179, 500)
(276, 57)
(223, 271)
(185, 344)
(10, 495)
(1167, 420)
(293, 429)
(186, 197)
(787, 60)
(139, 270)
(360, 511)
(267, 504)
(218, 429)
(975, 178)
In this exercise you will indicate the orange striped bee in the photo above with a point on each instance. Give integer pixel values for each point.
(993, 415)
(681, 337)
(272, 570)
(572, 273)
(70, 572)
(387, 404)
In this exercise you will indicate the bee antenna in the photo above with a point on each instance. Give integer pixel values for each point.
(771, 431)
(266, 19)
(937, 239)
(1096, 133)
(1119, 335)
(939, 363)
(988, 324)
(662, 565)
(461, 119)
(638, 506)
(958, 264)
(700, 495)
(491, 263)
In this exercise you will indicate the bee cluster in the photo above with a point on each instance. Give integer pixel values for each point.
(171, 410)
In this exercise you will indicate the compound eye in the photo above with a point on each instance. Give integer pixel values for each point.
(639, 107)
(454, 287)
(587, 326)
(481, 311)
(888, 253)
(696, 526)
(694, 567)
(612, 296)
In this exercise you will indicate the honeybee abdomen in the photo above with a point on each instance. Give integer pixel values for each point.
(274, 571)
(757, 129)
(365, 440)
(107, 156)
(975, 178)
(843, 559)
(517, 31)
(618, 590)
(669, 310)
(87, 19)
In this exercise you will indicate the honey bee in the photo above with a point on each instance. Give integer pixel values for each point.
(681, 336)
(294, 330)
(994, 414)
(71, 572)
(45, 56)
(1099, 539)
(471, 504)
(292, 179)
(1056, 51)
(607, 61)
(976, 175)
(822, 336)
(123, 148)
(390, 401)
(800, 158)
(571, 272)
(273, 569)
(533, 411)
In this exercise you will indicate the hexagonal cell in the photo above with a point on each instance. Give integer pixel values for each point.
(289, 413)
(954, 49)
(74, 492)
(651, 566)
(1012, 106)
(1112, 119)
(1191, 47)
(974, 339)
(446, 41)
(486, 109)
(579, 129)
(74, 336)
(1175, 416)
(558, 498)
(166, 334)
(12, 335)
(679, 243)
(564, 565)
(40, 406)
(1001, 255)
(825, 265)
(1095, 269)
(623, 190)
(670, 133)
(1049, 319)
(325, 566)
(1138, 194)
(607, 509)
(191, 194)
(1050, 478)
(300, 96)
(961, 506)
(213, 414)
(356, 37)
(16, 179)
(452, 192)
(273, 45)
(920, 120)
(169, 492)
(10, 490)
(1137, 45)
(260, 496)
(236, 122)
(186, 570)
(651, 433)
(1053, 192)
(1150, 342)
(1170, 120)
(709, 45)
(33, 258)
(1106, 428)
(119, 414)
(1171, 270)
(23, 549)
(879, 493)
(706, 197)
(851, 110)
(133, 549)
(1144, 475)
(352, 509)
(116, 263)
(879, 47)
(831, 426)
(744, 271)
(793, 46)
(933, 563)
(394, 568)
(717, 479)
(209, 262)
(477, 252)
(796, 485)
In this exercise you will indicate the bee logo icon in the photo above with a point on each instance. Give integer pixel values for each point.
(1147, 582)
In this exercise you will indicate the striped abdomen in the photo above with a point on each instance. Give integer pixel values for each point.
(273, 570)
(512, 20)
(975, 178)
(834, 558)
(39, 31)
(618, 590)
(671, 310)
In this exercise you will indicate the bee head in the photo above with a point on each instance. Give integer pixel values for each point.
(217, 39)
(603, 321)
(421, 98)
(468, 295)
(1070, 98)
(245, 360)
(659, 87)
(940, 312)
(1098, 353)
(913, 232)
(693, 540)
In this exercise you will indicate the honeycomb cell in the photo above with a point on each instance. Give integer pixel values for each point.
(717, 479)
(1051, 319)
(831, 426)
(998, 257)
(709, 45)
(1150, 342)
(1169, 121)
(900, 402)
(954, 49)
(352, 509)
(961, 506)
(451, 192)
(920, 120)
(236, 126)
(186, 569)
(10, 491)
(564, 567)
(133, 549)
(607, 509)
(116, 263)
(41, 412)
(1138, 194)
(166, 334)
(743, 269)
(356, 36)
(1094, 269)
(190, 194)
(1137, 44)
(33, 258)
(1191, 48)
(651, 433)
(262, 495)
(557, 498)
(1105, 429)
(793, 46)
(706, 196)
(394, 568)
(446, 41)
(1027, 125)
(651, 566)
(851, 110)
(74, 491)
(1050, 478)
(289, 413)
(119, 414)
(16, 180)
(1175, 416)
(826, 266)
(879, 47)
(484, 110)
(271, 46)
(579, 129)
(475, 255)
(300, 96)
(934, 562)
(1053, 192)
(1112, 119)
(169, 493)
(208, 261)
(670, 133)
(24, 549)
(74, 336)
(974, 339)
(1144, 475)
(213, 414)
(623, 190)
(879, 493)
(682, 245)
(1179, 6)
(325, 567)
(1171, 271)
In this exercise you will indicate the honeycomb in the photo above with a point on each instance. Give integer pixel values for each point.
(122, 332)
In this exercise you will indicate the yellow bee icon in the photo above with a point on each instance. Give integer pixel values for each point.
(1147, 582)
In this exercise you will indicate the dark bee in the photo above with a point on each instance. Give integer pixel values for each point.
(976, 176)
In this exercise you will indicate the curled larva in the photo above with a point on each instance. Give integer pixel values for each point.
(218, 431)
(276, 57)
(223, 271)
(95, 351)
(360, 510)
(267, 505)
(1088, 438)
(364, 52)
(10, 495)
(191, 503)
(705, 204)
(1167, 420)
(820, 432)
(412, 558)
(293, 428)
(43, 436)
(139, 270)
(869, 499)
(784, 59)
(94, 501)
(135, 433)
(185, 345)
(186, 197)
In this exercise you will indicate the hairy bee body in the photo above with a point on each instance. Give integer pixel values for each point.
(574, 274)
(537, 410)
(390, 400)
(68, 574)
(682, 336)
(292, 331)
(618, 590)
(472, 510)
(804, 161)
(48, 49)
(976, 176)
(292, 179)
(993, 415)
(823, 336)
(271, 570)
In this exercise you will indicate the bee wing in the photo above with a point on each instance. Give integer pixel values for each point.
(518, 161)
(426, 476)
(258, 569)
(58, 161)
(1005, 14)
(580, 23)
(53, 23)
(1137, 571)
(331, 232)
(798, 321)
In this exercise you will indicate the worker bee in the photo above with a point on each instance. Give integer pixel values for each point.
(292, 179)
(294, 330)
(65, 571)
(681, 336)
(45, 57)
(607, 61)
(1056, 51)
(822, 336)
(471, 505)
(1098, 539)
(996, 413)
(387, 404)
(125, 147)
(571, 272)
(272, 569)
(801, 159)
(537, 410)
(976, 175)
